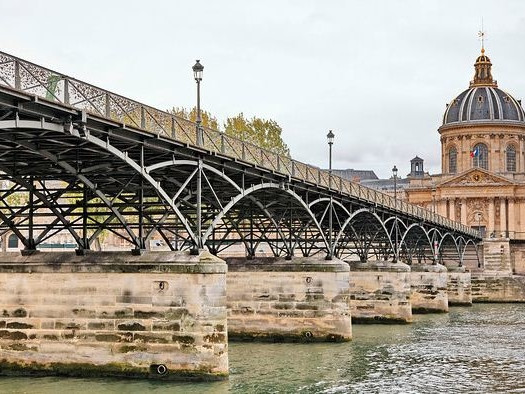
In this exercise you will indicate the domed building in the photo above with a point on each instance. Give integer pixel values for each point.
(482, 180)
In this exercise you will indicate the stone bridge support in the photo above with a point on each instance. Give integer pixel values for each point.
(380, 292)
(298, 300)
(459, 286)
(159, 315)
(429, 288)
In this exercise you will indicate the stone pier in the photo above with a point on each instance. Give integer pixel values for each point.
(459, 286)
(380, 292)
(161, 315)
(303, 299)
(429, 288)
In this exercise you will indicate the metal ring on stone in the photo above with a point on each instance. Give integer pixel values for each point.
(161, 369)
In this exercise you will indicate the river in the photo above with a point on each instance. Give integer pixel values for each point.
(470, 350)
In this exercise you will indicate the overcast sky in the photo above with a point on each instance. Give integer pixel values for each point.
(378, 73)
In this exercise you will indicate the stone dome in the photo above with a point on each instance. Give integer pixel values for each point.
(483, 103)
(483, 100)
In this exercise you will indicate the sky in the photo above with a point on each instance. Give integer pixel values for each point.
(377, 73)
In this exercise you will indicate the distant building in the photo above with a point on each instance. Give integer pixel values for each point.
(482, 180)
(356, 175)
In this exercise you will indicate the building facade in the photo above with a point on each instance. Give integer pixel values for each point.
(482, 180)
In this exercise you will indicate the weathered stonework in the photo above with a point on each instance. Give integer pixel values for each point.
(429, 288)
(488, 287)
(459, 286)
(159, 315)
(304, 299)
(380, 292)
(496, 256)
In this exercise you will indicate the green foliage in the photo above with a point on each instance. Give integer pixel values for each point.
(265, 133)
(208, 120)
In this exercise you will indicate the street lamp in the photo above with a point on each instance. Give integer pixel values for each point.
(394, 174)
(198, 68)
(330, 137)
(479, 222)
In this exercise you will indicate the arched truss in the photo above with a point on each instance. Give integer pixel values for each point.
(85, 178)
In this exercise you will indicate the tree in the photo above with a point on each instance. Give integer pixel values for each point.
(265, 133)
(208, 120)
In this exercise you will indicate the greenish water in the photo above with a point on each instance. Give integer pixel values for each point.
(479, 349)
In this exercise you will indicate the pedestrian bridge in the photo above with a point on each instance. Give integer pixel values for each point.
(79, 159)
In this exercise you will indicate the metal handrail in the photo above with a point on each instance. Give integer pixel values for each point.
(39, 81)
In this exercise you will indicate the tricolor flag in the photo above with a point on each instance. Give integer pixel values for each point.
(475, 152)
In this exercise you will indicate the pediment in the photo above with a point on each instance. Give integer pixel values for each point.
(477, 177)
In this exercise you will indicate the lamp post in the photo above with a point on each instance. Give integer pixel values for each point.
(198, 68)
(330, 137)
(479, 222)
(197, 74)
(394, 174)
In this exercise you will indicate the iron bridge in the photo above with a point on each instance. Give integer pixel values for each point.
(79, 159)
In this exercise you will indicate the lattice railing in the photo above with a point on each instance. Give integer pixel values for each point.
(53, 86)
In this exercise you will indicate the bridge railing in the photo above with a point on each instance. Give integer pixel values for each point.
(56, 87)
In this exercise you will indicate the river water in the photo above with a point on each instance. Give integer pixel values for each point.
(470, 350)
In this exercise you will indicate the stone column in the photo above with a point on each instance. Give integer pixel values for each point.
(451, 209)
(502, 217)
(464, 211)
(491, 218)
(442, 208)
(521, 227)
(512, 218)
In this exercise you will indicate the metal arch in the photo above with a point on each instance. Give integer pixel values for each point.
(124, 157)
(408, 230)
(449, 234)
(353, 215)
(414, 225)
(397, 220)
(465, 250)
(328, 200)
(245, 193)
(68, 168)
(195, 163)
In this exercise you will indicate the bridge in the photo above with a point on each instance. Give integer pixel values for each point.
(79, 159)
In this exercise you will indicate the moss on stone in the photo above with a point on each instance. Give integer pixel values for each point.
(14, 335)
(20, 312)
(134, 326)
(18, 325)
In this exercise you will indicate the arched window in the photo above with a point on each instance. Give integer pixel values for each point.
(452, 160)
(12, 241)
(510, 155)
(480, 156)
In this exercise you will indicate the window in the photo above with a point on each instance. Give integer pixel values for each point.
(12, 241)
(452, 160)
(480, 156)
(510, 155)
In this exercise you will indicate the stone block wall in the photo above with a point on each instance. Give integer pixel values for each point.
(496, 255)
(498, 288)
(304, 299)
(160, 315)
(517, 250)
(380, 292)
(429, 288)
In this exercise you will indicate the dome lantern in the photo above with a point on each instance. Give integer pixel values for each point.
(483, 74)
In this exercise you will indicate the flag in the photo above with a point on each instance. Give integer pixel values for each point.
(475, 152)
